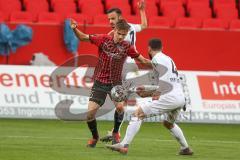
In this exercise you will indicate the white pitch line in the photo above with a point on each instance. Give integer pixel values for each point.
(141, 139)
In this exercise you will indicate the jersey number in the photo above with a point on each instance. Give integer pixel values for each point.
(174, 69)
(132, 37)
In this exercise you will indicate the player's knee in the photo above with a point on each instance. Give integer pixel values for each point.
(120, 107)
(139, 113)
(90, 116)
(167, 124)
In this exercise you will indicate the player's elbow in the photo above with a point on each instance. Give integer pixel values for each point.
(144, 26)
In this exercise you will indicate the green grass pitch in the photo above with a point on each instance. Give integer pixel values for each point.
(58, 140)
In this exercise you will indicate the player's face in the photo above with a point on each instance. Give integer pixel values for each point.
(113, 19)
(119, 35)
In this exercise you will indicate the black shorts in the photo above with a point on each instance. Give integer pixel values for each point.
(99, 92)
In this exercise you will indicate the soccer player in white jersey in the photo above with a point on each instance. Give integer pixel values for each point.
(114, 15)
(168, 100)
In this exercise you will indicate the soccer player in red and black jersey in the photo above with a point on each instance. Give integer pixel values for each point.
(113, 51)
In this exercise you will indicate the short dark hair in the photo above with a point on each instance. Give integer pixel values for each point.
(117, 10)
(155, 44)
(122, 25)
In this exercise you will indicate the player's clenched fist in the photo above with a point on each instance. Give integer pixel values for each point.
(141, 4)
(74, 24)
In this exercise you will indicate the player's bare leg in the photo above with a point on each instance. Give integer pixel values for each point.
(132, 129)
(177, 133)
(92, 123)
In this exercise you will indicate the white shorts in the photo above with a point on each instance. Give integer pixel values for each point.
(168, 105)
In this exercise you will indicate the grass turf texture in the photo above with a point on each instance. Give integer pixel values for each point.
(58, 140)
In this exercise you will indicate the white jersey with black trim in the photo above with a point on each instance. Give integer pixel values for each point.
(131, 36)
(165, 69)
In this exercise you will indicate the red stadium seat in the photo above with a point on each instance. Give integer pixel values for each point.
(92, 2)
(66, 2)
(7, 6)
(152, 9)
(235, 25)
(215, 24)
(189, 23)
(100, 20)
(21, 17)
(53, 2)
(116, 3)
(36, 6)
(227, 4)
(226, 13)
(81, 18)
(201, 4)
(199, 11)
(172, 10)
(163, 2)
(64, 8)
(49, 18)
(159, 21)
(91, 9)
(133, 19)
(216, 3)
(123, 5)
(198, 2)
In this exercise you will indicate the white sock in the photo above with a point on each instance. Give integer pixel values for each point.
(178, 134)
(132, 129)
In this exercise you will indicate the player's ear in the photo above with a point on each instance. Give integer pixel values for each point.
(149, 49)
(120, 17)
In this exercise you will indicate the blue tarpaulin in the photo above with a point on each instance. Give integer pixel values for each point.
(5, 39)
(11, 40)
(22, 35)
(70, 39)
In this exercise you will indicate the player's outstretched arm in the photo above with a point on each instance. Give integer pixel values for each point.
(143, 92)
(81, 36)
(148, 91)
(141, 7)
(146, 62)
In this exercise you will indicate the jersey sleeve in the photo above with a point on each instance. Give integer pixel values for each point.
(132, 52)
(137, 27)
(96, 39)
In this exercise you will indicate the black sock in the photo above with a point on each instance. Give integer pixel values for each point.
(118, 118)
(92, 125)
